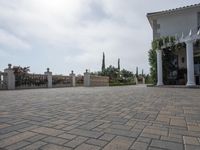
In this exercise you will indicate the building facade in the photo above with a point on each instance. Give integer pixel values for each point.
(182, 23)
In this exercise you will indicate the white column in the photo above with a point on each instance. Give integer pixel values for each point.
(190, 63)
(159, 68)
(49, 78)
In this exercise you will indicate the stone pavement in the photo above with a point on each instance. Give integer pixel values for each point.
(105, 118)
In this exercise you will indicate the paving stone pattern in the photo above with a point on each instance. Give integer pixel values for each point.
(103, 118)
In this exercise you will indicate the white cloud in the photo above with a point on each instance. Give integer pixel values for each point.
(4, 54)
(12, 42)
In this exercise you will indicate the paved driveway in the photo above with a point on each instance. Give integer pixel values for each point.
(108, 118)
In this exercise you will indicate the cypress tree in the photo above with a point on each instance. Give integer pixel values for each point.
(118, 64)
(103, 63)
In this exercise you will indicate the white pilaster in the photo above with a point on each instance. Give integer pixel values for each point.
(159, 68)
(190, 63)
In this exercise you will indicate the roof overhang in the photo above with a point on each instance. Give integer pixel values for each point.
(153, 15)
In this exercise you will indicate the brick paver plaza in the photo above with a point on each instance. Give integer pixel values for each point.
(107, 118)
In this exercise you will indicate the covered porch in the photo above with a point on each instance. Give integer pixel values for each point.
(184, 68)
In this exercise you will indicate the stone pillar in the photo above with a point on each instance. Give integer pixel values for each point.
(86, 79)
(49, 78)
(10, 78)
(143, 80)
(159, 68)
(136, 80)
(190, 63)
(73, 78)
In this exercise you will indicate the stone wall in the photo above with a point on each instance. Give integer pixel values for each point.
(99, 80)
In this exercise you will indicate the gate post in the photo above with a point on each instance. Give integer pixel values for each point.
(10, 79)
(136, 80)
(87, 79)
(49, 78)
(73, 78)
(143, 80)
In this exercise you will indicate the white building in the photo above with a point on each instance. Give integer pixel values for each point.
(184, 24)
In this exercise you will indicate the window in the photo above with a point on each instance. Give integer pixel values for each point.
(156, 27)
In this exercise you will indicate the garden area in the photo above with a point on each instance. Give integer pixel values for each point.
(121, 77)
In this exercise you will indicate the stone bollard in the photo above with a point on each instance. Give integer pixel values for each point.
(49, 78)
(73, 78)
(10, 78)
(87, 79)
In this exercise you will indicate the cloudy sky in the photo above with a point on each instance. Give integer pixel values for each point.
(70, 35)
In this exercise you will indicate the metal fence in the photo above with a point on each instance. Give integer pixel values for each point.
(23, 81)
(79, 80)
(3, 81)
(61, 81)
